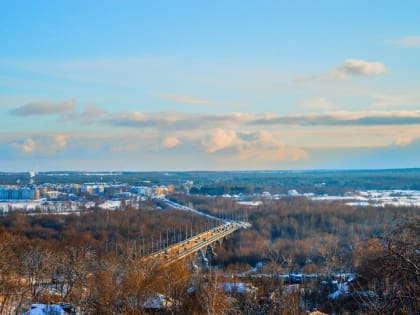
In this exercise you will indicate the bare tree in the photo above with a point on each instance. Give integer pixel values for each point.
(12, 288)
(37, 265)
(393, 274)
(209, 295)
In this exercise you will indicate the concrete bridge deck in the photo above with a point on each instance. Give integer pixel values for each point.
(198, 242)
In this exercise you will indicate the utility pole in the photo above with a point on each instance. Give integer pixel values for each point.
(174, 237)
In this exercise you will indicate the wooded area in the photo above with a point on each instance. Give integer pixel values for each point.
(93, 260)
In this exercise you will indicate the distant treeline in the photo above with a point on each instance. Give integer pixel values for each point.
(216, 183)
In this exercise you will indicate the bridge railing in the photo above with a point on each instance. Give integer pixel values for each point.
(195, 243)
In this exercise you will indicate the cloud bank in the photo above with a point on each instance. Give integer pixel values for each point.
(235, 139)
(44, 108)
(188, 121)
(344, 118)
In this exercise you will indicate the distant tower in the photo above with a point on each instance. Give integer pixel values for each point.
(31, 175)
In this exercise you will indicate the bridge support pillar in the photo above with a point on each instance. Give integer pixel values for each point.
(201, 258)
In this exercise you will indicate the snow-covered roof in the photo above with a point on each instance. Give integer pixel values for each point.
(45, 309)
(238, 287)
(158, 301)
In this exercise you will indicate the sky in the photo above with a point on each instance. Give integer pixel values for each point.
(209, 85)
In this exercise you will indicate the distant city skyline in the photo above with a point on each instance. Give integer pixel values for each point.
(217, 85)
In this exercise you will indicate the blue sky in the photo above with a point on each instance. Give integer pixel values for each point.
(180, 85)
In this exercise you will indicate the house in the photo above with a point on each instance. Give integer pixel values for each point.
(50, 309)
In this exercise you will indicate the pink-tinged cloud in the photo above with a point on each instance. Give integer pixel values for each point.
(263, 146)
(170, 142)
(42, 144)
(28, 146)
(257, 146)
(60, 141)
(220, 139)
(404, 140)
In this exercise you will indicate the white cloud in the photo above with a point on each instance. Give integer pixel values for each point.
(350, 68)
(407, 41)
(360, 67)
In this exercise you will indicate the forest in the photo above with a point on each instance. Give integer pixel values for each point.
(94, 260)
(298, 234)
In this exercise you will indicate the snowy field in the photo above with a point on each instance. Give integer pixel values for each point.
(377, 198)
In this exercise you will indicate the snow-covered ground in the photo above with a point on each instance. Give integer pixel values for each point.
(185, 208)
(43, 309)
(377, 198)
(250, 203)
(110, 205)
(342, 289)
(158, 301)
(237, 287)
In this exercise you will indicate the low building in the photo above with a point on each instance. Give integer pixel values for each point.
(56, 309)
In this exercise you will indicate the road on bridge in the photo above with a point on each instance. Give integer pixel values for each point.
(189, 246)
(193, 244)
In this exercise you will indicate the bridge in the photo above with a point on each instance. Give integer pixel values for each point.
(199, 243)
